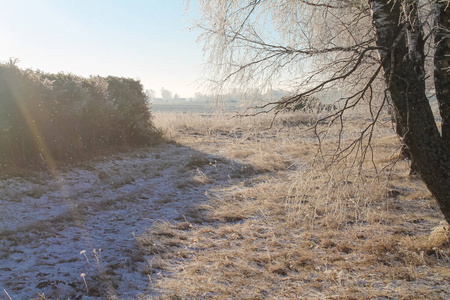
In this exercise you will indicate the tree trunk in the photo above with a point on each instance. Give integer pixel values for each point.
(403, 67)
(442, 66)
(405, 151)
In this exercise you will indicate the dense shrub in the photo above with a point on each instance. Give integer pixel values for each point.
(60, 117)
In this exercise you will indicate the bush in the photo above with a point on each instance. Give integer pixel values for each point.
(47, 118)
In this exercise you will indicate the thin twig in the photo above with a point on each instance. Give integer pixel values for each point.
(7, 294)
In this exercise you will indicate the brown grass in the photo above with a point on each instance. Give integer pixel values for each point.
(297, 227)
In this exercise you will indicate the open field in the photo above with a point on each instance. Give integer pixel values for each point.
(298, 229)
(227, 208)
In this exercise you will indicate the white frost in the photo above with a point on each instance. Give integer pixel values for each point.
(51, 224)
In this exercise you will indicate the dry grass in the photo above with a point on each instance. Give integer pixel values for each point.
(297, 227)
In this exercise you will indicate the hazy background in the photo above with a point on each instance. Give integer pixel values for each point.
(148, 40)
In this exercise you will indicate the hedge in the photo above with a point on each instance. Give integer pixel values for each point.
(48, 118)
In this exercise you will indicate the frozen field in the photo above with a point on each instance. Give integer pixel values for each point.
(84, 219)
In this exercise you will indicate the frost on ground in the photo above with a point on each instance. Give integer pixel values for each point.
(72, 233)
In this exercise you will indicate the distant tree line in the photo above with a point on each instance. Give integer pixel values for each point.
(58, 117)
(249, 98)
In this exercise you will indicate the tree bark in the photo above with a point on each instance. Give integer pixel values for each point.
(403, 68)
(442, 66)
(404, 151)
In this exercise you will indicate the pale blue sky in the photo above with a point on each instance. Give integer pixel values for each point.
(144, 39)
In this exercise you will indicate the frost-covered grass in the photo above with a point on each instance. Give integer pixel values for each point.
(227, 208)
(86, 219)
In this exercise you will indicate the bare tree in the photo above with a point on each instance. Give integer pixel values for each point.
(166, 94)
(369, 52)
(151, 94)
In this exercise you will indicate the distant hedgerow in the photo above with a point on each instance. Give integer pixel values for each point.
(61, 116)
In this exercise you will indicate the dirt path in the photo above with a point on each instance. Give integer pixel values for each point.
(83, 220)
